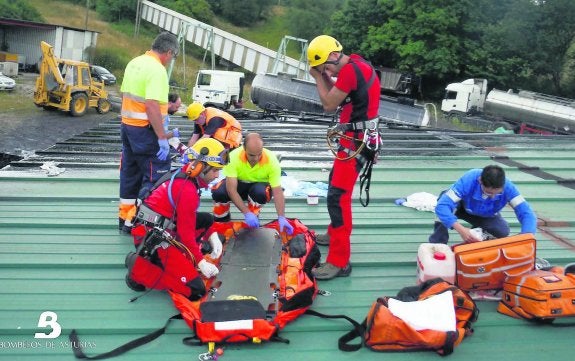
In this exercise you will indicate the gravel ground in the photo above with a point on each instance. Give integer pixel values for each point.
(37, 129)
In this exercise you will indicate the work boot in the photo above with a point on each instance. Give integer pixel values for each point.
(133, 285)
(322, 239)
(327, 271)
(255, 208)
(221, 212)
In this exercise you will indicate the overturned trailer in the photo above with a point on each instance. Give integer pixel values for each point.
(288, 93)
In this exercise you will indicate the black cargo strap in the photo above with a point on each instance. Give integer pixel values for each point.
(79, 353)
(365, 180)
(344, 341)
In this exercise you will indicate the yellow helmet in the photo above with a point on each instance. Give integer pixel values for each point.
(319, 49)
(194, 110)
(209, 151)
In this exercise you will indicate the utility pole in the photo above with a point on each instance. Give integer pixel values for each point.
(137, 22)
(87, 14)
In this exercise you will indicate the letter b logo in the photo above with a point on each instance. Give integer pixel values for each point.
(48, 319)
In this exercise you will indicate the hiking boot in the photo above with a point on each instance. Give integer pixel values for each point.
(126, 230)
(322, 239)
(327, 271)
(133, 285)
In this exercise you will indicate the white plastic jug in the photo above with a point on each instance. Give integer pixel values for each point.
(435, 260)
(312, 198)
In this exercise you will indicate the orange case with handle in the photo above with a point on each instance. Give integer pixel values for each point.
(485, 265)
(539, 295)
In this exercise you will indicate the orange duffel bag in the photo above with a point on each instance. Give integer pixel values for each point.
(485, 265)
(383, 331)
(539, 295)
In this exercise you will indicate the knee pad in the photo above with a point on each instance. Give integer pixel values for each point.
(334, 206)
(197, 288)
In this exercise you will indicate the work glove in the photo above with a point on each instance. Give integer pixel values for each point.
(251, 220)
(208, 269)
(217, 246)
(176, 132)
(284, 224)
(164, 149)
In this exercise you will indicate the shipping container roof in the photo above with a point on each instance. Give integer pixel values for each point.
(61, 251)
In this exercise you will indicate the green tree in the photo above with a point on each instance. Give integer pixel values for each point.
(117, 10)
(419, 36)
(350, 32)
(20, 10)
(197, 9)
(305, 18)
(244, 12)
(555, 35)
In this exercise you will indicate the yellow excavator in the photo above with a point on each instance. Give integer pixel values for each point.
(68, 86)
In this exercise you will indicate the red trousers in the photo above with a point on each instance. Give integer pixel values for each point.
(177, 273)
(342, 179)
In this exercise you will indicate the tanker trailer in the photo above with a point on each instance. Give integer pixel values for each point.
(520, 111)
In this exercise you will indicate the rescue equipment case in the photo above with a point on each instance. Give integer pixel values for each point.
(484, 265)
(539, 295)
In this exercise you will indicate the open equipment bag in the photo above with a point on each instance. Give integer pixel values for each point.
(485, 265)
(383, 331)
(539, 295)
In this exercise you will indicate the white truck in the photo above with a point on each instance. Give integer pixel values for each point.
(521, 111)
(219, 88)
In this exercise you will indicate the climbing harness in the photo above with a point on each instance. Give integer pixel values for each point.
(367, 148)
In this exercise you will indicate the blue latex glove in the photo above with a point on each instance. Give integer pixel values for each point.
(284, 224)
(164, 149)
(176, 132)
(251, 220)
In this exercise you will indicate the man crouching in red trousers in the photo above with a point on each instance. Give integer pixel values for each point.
(169, 227)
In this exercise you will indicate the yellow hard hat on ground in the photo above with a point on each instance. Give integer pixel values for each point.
(319, 49)
(209, 151)
(194, 110)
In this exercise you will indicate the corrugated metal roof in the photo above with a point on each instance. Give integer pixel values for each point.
(60, 250)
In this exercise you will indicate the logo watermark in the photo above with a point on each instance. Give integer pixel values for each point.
(48, 320)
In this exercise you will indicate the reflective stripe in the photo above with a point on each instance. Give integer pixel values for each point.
(134, 115)
(517, 201)
(129, 201)
(451, 194)
(134, 97)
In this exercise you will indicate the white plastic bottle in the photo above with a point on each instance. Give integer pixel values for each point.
(435, 260)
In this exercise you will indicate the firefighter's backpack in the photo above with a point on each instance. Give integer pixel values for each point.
(265, 282)
(383, 331)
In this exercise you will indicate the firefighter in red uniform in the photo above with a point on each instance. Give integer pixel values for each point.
(172, 228)
(214, 123)
(356, 90)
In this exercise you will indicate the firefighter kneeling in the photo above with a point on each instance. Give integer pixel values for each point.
(169, 229)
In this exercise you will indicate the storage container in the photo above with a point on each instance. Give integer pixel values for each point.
(435, 260)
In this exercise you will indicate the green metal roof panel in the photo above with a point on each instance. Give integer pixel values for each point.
(60, 250)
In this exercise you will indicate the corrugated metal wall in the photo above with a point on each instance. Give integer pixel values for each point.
(68, 43)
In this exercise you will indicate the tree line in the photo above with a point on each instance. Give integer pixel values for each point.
(522, 44)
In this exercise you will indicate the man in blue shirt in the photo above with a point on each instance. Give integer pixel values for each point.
(477, 198)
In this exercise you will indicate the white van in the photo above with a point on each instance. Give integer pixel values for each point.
(219, 88)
